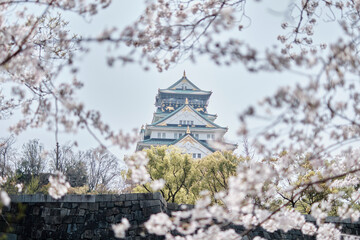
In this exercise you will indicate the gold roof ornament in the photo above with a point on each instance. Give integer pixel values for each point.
(186, 101)
(188, 130)
(184, 74)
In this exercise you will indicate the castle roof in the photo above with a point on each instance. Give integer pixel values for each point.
(161, 141)
(184, 86)
(191, 109)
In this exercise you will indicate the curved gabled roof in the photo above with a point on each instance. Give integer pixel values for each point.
(159, 141)
(179, 109)
(199, 141)
(182, 80)
(177, 88)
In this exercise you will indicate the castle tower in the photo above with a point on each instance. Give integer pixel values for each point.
(181, 119)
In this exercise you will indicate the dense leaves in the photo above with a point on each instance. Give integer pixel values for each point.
(186, 178)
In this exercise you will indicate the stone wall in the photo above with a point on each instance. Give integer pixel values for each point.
(79, 216)
(91, 217)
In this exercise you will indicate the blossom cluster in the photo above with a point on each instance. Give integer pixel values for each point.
(58, 185)
(120, 228)
(137, 167)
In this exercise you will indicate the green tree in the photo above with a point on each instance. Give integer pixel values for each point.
(214, 171)
(185, 177)
(178, 171)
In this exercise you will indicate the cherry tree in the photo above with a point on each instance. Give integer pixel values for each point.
(319, 117)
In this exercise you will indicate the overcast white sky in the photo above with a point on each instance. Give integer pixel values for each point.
(125, 95)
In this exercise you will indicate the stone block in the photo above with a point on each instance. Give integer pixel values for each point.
(103, 225)
(45, 212)
(110, 204)
(157, 195)
(155, 209)
(89, 217)
(115, 211)
(103, 198)
(108, 213)
(80, 219)
(55, 212)
(50, 227)
(118, 197)
(71, 228)
(88, 234)
(129, 217)
(118, 218)
(55, 219)
(135, 207)
(148, 196)
(67, 219)
(93, 206)
(125, 210)
(110, 219)
(138, 215)
(134, 224)
(36, 210)
(83, 205)
(119, 204)
(141, 196)
(81, 212)
(73, 211)
(64, 212)
(149, 203)
(66, 205)
(131, 197)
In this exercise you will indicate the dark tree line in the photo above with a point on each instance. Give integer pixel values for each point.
(32, 164)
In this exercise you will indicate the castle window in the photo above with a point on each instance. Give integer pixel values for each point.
(192, 122)
(180, 122)
(199, 155)
(208, 136)
(180, 135)
(163, 135)
(196, 135)
(175, 135)
(188, 122)
(212, 136)
(194, 155)
(159, 135)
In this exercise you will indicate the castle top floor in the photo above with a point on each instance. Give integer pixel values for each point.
(173, 97)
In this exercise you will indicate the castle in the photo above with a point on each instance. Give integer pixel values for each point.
(181, 119)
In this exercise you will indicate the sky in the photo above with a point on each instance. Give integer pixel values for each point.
(125, 95)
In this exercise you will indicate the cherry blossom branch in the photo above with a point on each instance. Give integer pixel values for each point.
(25, 39)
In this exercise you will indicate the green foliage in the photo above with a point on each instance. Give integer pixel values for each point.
(176, 169)
(33, 186)
(186, 177)
(214, 171)
(79, 190)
